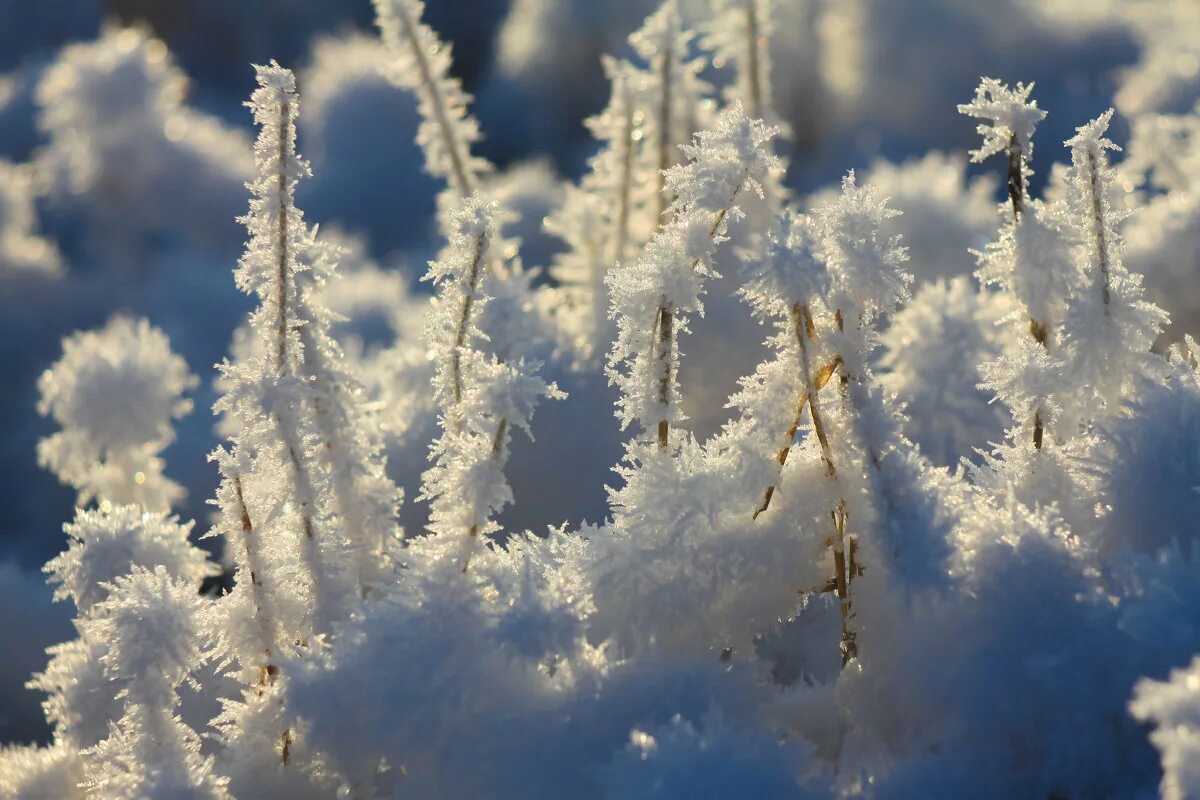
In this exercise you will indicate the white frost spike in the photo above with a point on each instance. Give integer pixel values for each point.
(1109, 327)
(154, 627)
(365, 498)
(739, 32)
(1027, 381)
(1175, 706)
(103, 546)
(725, 163)
(278, 235)
(155, 631)
(789, 269)
(461, 277)
(603, 220)
(115, 393)
(867, 268)
(422, 64)
(673, 92)
(1007, 113)
(271, 396)
(1033, 261)
(481, 398)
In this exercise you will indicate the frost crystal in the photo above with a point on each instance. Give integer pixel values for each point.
(1009, 115)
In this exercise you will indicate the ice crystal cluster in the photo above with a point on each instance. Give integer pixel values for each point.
(939, 541)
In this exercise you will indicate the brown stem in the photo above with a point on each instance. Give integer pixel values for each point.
(464, 318)
(266, 670)
(849, 639)
(1016, 176)
(802, 323)
(664, 324)
(1040, 335)
(464, 181)
(497, 446)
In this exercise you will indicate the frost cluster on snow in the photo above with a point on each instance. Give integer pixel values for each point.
(510, 534)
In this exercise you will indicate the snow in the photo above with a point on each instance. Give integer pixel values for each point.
(863, 525)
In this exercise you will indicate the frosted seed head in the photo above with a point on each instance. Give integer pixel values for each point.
(1007, 112)
(103, 545)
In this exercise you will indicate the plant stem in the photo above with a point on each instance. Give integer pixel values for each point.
(463, 180)
(464, 318)
(1102, 247)
(267, 670)
(664, 325)
(1038, 329)
(802, 323)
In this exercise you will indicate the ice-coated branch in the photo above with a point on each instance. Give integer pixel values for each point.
(739, 33)
(422, 65)
(481, 398)
(155, 631)
(1109, 328)
(668, 278)
(365, 498)
(1030, 257)
(601, 219)
(1096, 219)
(867, 279)
(1009, 122)
(672, 96)
(460, 276)
(275, 397)
(255, 643)
(782, 284)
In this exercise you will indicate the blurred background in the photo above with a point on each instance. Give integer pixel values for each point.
(124, 145)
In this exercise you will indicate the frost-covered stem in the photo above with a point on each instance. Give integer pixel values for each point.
(464, 181)
(464, 316)
(664, 326)
(267, 670)
(802, 323)
(285, 201)
(781, 456)
(842, 544)
(845, 567)
(1098, 228)
(303, 496)
(1016, 176)
(1017, 186)
(497, 451)
(805, 329)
